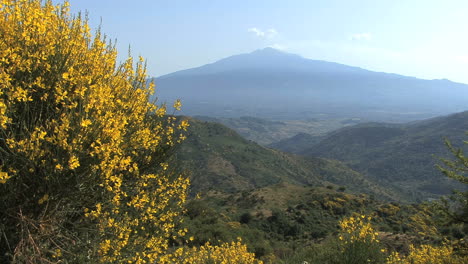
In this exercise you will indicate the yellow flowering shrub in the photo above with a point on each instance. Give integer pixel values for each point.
(83, 164)
(427, 254)
(227, 253)
(358, 241)
(357, 228)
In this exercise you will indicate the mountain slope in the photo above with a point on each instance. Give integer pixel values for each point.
(402, 156)
(274, 84)
(296, 143)
(219, 159)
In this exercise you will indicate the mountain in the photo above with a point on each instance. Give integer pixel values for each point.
(399, 155)
(274, 84)
(219, 159)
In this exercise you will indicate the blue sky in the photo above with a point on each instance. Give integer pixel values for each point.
(426, 39)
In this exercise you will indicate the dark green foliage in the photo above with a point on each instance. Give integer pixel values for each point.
(296, 143)
(245, 218)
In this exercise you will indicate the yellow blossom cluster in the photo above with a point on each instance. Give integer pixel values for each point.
(77, 127)
(426, 254)
(357, 228)
(4, 177)
(227, 253)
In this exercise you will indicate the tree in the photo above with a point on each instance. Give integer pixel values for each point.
(456, 207)
(83, 153)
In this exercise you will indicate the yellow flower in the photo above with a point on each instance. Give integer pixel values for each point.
(57, 253)
(86, 122)
(43, 199)
(73, 163)
(177, 105)
(4, 177)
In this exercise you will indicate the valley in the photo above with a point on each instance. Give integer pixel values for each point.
(284, 199)
(266, 131)
(282, 176)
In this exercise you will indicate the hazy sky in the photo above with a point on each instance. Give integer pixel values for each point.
(422, 38)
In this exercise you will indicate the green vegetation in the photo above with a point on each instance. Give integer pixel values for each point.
(290, 223)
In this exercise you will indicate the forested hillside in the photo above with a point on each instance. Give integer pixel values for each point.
(401, 156)
(217, 158)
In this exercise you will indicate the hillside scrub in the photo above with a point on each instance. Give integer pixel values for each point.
(358, 242)
(85, 174)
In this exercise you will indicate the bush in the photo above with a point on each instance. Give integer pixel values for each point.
(83, 165)
(358, 241)
(245, 218)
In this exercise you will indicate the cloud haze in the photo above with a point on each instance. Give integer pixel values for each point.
(277, 46)
(268, 34)
(361, 36)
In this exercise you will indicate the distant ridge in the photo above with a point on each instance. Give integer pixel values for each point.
(401, 155)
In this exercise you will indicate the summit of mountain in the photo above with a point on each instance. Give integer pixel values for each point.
(267, 59)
